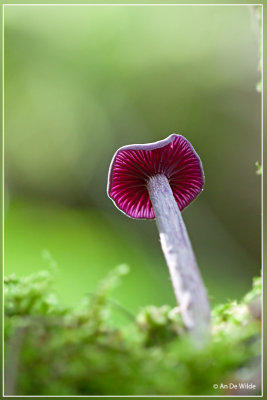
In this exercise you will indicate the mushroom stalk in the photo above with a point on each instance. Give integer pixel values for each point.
(187, 282)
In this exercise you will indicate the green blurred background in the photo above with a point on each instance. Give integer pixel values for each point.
(81, 82)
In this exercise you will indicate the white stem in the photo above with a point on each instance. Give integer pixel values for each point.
(187, 283)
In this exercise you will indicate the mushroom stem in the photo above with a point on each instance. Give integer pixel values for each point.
(187, 283)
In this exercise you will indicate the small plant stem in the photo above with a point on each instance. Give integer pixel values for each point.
(187, 283)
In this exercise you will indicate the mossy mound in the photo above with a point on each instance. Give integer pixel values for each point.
(54, 350)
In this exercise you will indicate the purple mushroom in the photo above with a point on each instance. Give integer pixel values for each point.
(158, 180)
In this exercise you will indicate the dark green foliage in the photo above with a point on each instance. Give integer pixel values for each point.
(53, 350)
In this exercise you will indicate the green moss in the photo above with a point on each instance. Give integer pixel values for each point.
(55, 350)
(258, 168)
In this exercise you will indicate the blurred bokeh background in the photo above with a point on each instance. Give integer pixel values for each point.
(81, 82)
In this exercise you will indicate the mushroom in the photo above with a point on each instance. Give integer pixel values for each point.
(158, 180)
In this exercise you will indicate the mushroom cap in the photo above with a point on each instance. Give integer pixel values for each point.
(133, 165)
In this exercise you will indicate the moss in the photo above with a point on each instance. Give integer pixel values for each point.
(55, 350)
